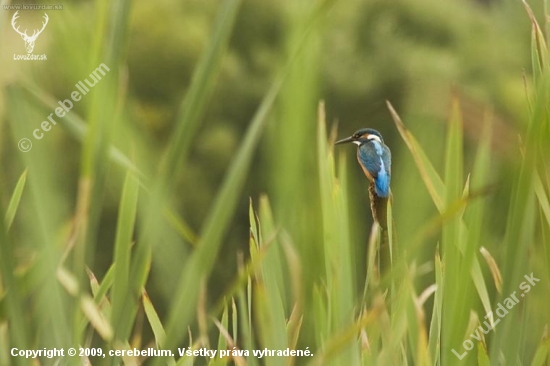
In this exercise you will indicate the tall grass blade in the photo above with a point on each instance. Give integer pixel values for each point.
(102, 115)
(202, 84)
(435, 323)
(202, 260)
(522, 219)
(154, 321)
(429, 175)
(222, 341)
(270, 307)
(539, 49)
(339, 266)
(542, 353)
(13, 300)
(15, 199)
(245, 321)
(123, 302)
(45, 216)
(454, 318)
(184, 302)
(436, 188)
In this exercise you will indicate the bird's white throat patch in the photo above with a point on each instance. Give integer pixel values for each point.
(358, 143)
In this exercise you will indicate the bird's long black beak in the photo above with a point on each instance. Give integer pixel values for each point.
(344, 141)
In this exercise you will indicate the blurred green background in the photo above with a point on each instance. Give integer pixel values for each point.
(188, 82)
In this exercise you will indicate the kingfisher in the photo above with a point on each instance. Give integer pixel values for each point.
(374, 157)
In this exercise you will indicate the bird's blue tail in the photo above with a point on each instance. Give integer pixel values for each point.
(382, 185)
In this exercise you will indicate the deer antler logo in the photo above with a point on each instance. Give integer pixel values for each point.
(29, 40)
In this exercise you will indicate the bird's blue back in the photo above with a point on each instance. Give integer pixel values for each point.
(375, 157)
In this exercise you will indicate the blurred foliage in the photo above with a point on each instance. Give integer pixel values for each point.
(419, 54)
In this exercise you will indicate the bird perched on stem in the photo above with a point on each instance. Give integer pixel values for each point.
(374, 157)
